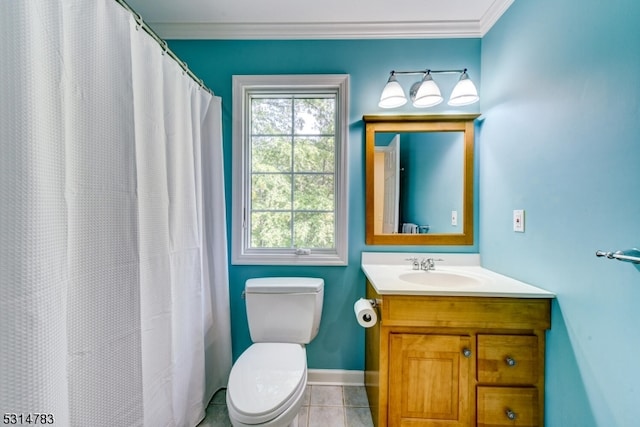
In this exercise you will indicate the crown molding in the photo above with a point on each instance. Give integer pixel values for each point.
(340, 30)
(333, 30)
(497, 9)
(314, 30)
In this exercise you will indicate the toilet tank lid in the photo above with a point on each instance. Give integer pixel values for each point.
(284, 285)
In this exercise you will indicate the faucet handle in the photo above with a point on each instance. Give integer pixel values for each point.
(414, 263)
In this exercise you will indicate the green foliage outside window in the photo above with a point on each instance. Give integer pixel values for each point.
(292, 171)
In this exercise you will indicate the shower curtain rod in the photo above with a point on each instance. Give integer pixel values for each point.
(163, 44)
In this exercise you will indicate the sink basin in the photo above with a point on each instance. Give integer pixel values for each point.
(441, 278)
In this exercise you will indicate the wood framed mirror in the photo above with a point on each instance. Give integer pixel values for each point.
(419, 179)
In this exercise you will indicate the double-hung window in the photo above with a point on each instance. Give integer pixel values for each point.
(290, 170)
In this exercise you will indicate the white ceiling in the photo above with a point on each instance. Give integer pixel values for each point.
(319, 19)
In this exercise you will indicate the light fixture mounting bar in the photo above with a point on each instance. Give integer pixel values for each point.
(428, 71)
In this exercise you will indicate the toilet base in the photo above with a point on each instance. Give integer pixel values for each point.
(278, 422)
(288, 418)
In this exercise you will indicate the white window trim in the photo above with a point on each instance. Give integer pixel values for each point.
(242, 85)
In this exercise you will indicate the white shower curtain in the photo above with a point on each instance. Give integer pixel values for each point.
(114, 306)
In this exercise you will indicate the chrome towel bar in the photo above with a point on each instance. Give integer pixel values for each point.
(628, 255)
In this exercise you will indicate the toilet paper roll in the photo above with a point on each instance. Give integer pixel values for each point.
(365, 313)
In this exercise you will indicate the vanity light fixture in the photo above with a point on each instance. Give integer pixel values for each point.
(425, 92)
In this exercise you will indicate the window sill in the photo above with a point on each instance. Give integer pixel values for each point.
(290, 260)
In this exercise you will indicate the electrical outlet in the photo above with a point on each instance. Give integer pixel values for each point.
(454, 217)
(518, 221)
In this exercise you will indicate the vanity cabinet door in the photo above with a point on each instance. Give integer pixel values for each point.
(429, 377)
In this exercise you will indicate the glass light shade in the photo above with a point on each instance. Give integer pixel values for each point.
(464, 93)
(392, 94)
(425, 93)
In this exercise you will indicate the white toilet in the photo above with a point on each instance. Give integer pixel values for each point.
(268, 380)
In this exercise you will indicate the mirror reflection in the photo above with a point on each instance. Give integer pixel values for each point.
(418, 182)
(419, 179)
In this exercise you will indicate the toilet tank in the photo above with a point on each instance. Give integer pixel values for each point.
(284, 309)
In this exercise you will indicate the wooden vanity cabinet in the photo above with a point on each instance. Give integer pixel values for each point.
(456, 361)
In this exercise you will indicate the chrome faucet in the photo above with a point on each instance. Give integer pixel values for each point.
(429, 264)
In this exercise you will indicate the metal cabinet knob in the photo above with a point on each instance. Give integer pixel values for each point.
(510, 414)
(466, 352)
(510, 361)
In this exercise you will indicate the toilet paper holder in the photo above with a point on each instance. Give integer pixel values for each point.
(375, 303)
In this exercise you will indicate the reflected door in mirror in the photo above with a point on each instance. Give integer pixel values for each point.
(387, 172)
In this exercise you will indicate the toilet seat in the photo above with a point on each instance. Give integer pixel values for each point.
(265, 381)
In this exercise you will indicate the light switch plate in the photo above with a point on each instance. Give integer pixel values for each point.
(518, 220)
(454, 218)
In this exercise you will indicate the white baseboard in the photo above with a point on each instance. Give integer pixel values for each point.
(335, 377)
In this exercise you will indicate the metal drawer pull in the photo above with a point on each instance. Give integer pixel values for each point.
(510, 361)
(466, 352)
(510, 414)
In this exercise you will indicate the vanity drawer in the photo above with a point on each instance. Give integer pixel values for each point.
(508, 359)
(465, 312)
(507, 406)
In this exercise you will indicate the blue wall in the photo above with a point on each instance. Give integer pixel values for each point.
(340, 342)
(561, 139)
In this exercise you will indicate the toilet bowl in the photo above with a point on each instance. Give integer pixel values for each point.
(267, 382)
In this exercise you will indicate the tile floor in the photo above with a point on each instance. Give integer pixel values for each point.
(323, 406)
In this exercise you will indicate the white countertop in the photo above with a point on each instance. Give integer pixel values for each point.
(384, 268)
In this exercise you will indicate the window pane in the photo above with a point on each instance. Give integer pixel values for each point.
(271, 230)
(270, 154)
(271, 116)
(315, 116)
(270, 191)
(314, 154)
(313, 192)
(314, 230)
